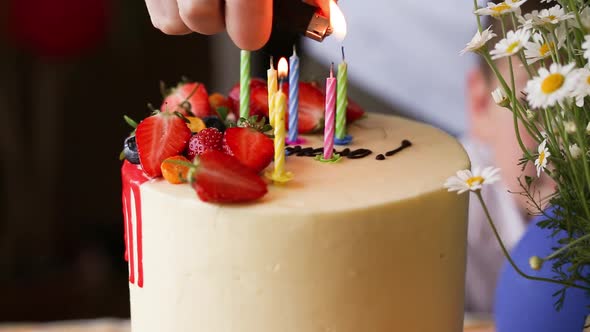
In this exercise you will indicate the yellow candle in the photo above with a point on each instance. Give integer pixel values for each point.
(279, 107)
(278, 174)
(271, 74)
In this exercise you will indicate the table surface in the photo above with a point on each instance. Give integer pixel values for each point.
(118, 325)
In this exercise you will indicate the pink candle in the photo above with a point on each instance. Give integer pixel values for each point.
(329, 116)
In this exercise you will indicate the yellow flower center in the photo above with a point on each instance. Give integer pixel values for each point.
(545, 48)
(552, 83)
(511, 47)
(499, 9)
(541, 157)
(474, 180)
(588, 80)
(551, 17)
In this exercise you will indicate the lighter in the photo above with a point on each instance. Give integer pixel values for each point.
(297, 16)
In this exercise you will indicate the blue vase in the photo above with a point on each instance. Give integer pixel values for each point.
(524, 305)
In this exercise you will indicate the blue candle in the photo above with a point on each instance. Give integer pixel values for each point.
(293, 96)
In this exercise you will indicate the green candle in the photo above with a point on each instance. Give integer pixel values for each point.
(245, 84)
(342, 99)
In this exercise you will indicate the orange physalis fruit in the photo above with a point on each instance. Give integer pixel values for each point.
(174, 171)
(196, 124)
(218, 100)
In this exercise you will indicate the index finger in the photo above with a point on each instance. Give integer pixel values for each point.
(249, 22)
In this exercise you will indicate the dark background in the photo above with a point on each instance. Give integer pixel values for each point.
(67, 76)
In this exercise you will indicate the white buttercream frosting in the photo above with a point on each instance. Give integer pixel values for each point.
(360, 245)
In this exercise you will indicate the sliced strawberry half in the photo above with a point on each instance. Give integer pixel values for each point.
(188, 98)
(158, 137)
(354, 111)
(311, 104)
(311, 108)
(250, 147)
(221, 178)
(258, 98)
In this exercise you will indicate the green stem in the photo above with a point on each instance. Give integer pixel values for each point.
(509, 258)
(567, 246)
(476, 7)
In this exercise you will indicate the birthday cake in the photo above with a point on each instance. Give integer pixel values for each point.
(369, 241)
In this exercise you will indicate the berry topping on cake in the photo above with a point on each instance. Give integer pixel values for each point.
(219, 104)
(190, 99)
(130, 150)
(250, 147)
(311, 104)
(195, 124)
(208, 139)
(258, 98)
(158, 137)
(354, 111)
(220, 178)
(311, 108)
(175, 170)
(214, 122)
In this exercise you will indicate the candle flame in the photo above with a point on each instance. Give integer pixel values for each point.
(337, 21)
(283, 68)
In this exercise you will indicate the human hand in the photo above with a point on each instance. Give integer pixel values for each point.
(248, 22)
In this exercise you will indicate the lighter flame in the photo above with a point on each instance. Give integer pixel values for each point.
(283, 68)
(337, 21)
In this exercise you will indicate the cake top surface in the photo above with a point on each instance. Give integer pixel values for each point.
(352, 184)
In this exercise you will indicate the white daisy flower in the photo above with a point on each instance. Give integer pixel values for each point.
(500, 98)
(544, 18)
(582, 89)
(539, 49)
(466, 180)
(575, 151)
(478, 41)
(585, 17)
(514, 42)
(551, 86)
(502, 8)
(541, 161)
(586, 47)
(553, 16)
(570, 127)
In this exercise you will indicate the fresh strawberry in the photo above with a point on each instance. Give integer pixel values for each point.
(353, 112)
(311, 108)
(173, 171)
(220, 178)
(205, 140)
(258, 98)
(252, 148)
(188, 99)
(158, 137)
(311, 104)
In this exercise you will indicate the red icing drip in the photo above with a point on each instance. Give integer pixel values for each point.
(133, 177)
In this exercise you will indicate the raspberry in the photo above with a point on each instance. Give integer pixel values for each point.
(205, 140)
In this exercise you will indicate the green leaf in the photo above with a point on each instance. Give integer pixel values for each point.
(130, 121)
(122, 156)
(222, 111)
(180, 115)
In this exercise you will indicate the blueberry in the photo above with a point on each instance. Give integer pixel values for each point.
(214, 122)
(130, 150)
